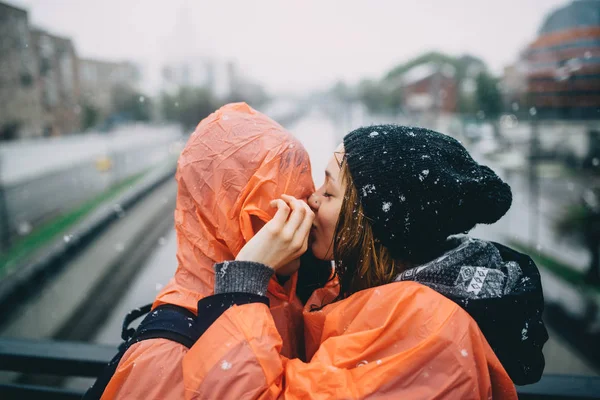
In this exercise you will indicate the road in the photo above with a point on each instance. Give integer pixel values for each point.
(41, 179)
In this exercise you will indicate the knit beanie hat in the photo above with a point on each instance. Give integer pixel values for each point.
(417, 187)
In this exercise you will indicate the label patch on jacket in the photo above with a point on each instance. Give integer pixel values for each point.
(477, 281)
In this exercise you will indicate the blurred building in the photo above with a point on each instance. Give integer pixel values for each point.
(58, 83)
(99, 79)
(472, 68)
(430, 88)
(221, 78)
(514, 86)
(563, 63)
(21, 113)
(194, 71)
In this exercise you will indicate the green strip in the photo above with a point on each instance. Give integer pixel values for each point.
(564, 271)
(50, 230)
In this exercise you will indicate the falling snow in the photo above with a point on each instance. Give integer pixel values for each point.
(368, 189)
(524, 332)
(24, 228)
(223, 270)
(225, 365)
(386, 206)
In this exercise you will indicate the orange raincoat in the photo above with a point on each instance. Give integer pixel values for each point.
(233, 165)
(398, 341)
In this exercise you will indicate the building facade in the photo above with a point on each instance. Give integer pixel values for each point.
(430, 88)
(563, 63)
(21, 112)
(98, 80)
(58, 83)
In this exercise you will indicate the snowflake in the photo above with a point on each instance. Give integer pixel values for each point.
(386, 206)
(225, 365)
(368, 189)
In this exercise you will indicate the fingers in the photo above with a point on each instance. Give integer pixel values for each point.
(283, 211)
(298, 227)
(296, 217)
(304, 230)
(284, 237)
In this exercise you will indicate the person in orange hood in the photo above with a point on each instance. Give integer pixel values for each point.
(233, 164)
(421, 313)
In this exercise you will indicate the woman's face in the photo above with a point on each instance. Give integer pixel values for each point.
(326, 202)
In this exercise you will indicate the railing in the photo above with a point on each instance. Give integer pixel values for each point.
(69, 359)
(61, 359)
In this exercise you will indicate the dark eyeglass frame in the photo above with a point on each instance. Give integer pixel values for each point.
(342, 160)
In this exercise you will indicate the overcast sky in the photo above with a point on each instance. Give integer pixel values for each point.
(293, 45)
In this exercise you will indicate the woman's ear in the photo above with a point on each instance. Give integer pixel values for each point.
(257, 223)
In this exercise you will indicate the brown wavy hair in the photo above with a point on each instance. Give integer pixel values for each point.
(361, 260)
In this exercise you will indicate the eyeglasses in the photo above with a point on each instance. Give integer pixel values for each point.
(340, 157)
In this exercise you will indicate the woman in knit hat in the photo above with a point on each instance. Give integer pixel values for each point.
(421, 310)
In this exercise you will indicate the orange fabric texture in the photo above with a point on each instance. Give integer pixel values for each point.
(401, 340)
(236, 161)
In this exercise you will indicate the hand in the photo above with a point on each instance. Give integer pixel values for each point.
(282, 239)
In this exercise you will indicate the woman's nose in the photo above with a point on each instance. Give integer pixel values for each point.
(314, 201)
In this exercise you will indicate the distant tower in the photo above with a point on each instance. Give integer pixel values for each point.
(185, 61)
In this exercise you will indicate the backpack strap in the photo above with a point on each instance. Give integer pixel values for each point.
(164, 322)
(168, 322)
(127, 332)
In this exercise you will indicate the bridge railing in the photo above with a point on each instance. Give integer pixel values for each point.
(72, 359)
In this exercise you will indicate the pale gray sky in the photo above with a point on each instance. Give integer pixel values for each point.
(293, 45)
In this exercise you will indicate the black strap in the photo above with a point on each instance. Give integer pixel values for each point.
(212, 307)
(165, 322)
(170, 322)
(127, 332)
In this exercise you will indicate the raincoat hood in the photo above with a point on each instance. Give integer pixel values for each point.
(236, 161)
(501, 289)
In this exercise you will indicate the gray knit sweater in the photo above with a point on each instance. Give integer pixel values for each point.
(242, 276)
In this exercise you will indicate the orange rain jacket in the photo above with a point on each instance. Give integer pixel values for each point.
(398, 341)
(233, 165)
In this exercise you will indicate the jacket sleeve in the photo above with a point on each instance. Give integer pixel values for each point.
(238, 357)
(150, 369)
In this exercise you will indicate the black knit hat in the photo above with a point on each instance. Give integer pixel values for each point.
(418, 187)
